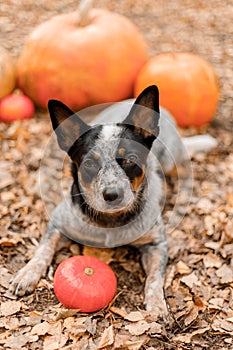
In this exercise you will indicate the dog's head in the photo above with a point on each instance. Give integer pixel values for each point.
(109, 161)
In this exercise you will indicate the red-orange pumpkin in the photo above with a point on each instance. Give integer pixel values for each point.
(85, 283)
(82, 64)
(188, 86)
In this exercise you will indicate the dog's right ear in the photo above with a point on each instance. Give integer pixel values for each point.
(67, 125)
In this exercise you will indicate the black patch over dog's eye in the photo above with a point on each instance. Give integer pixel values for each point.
(130, 166)
(89, 168)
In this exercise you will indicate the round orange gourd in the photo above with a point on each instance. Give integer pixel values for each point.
(188, 86)
(82, 59)
(7, 73)
(85, 283)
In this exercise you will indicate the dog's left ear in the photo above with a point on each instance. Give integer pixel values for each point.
(144, 115)
(67, 125)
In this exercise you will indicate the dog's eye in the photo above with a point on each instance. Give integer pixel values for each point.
(131, 158)
(89, 163)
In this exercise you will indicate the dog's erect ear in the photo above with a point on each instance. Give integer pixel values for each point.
(144, 115)
(66, 124)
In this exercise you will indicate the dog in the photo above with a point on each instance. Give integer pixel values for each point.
(116, 192)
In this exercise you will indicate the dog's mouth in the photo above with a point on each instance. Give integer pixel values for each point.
(117, 210)
(114, 207)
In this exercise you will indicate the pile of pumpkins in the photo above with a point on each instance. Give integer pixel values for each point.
(94, 56)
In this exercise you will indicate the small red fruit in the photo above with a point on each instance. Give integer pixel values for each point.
(85, 283)
(16, 107)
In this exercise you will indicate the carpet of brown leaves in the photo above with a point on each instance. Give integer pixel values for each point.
(199, 279)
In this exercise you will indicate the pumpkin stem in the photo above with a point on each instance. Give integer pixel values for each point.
(83, 10)
(89, 271)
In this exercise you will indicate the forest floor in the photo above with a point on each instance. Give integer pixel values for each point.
(199, 276)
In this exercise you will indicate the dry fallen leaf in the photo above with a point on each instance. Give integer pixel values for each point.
(190, 280)
(12, 323)
(204, 206)
(199, 303)
(121, 340)
(182, 268)
(138, 328)
(77, 327)
(137, 344)
(11, 241)
(222, 326)
(212, 260)
(187, 338)
(191, 316)
(104, 254)
(155, 328)
(5, 277)
(216, 303)
(225, 273)
(47, 328)
(10, 308)
(107, 338)
(134, 316)
(65, 313)
(16, 342)
(119, 311)
(54, 342)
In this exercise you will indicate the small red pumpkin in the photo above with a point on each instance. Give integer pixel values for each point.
(82, 59)
(188, 86)
(85, 283)
(16, 107)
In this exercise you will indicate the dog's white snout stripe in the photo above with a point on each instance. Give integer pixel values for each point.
(109, 132)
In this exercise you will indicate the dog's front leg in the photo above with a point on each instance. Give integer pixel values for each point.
(26, 280)
(154, 260)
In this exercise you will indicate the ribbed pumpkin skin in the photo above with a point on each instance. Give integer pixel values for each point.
(85, 65)
(7, 73)
(188, 86)
(77, 290)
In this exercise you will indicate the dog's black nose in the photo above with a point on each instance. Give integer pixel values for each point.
(113, 194)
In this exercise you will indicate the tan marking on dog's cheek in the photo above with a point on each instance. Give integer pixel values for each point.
(138, 180)
(86, 185)
(96, 155)
(121, 151)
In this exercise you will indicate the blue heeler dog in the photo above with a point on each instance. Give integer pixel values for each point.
(116, 191)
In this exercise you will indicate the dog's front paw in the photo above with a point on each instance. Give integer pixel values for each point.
(158, 309)
(155, 303)
(25, 280)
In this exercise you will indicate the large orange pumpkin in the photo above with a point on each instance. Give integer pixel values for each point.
(7, 73)
(188, 86)
(82, 64)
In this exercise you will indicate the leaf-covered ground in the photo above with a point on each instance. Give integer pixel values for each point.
(199, 278)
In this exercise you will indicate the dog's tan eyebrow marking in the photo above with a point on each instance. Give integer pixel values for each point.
(138, 179)
(96, 155)
(121, 151)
